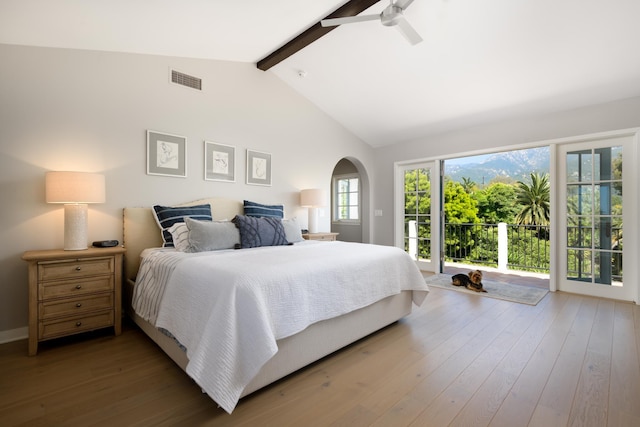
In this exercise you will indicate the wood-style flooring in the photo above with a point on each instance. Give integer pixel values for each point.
(459, 360)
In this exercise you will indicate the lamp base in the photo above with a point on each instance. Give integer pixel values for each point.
(75, 227)
(313, 220)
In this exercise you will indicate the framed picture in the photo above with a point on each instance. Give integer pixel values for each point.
(166, 154)
(219, 162)
(258, 168)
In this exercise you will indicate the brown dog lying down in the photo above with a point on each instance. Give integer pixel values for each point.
(472, 281)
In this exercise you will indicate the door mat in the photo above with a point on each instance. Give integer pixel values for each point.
(504, 291)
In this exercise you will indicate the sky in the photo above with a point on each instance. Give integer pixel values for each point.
(466, 160)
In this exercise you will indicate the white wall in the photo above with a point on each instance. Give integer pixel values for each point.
(599, 118)
(89, 111)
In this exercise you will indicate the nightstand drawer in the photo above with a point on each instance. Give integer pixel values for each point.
(73, 288)
(324, 237)
(74, 268)
(75, 306)
(51, 329)
(328, 237)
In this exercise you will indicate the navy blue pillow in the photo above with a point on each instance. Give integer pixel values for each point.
(256, 232)
(166, 216)
(260, 210)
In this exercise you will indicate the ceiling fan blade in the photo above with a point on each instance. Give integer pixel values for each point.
(347, 20)
(403, 4)
(408, 32)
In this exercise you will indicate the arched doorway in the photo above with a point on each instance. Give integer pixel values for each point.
(350, 201)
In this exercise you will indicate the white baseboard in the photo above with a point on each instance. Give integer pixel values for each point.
(14, 335)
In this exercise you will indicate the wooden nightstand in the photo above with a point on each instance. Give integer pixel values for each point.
(328, 237)
(73, 291)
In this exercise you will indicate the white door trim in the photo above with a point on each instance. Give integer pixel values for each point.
(630, 291)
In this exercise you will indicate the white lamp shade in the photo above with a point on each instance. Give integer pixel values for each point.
(74, 187)
(312, 197)
(75, 190)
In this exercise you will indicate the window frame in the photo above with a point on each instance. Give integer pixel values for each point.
(335, 207)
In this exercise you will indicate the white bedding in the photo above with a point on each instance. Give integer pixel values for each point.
(228, 308)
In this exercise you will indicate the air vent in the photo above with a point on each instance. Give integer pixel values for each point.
(186, 80)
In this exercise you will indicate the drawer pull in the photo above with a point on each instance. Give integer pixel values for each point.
(78, 324)
(78, 286)
(78, 268)
(78, 305)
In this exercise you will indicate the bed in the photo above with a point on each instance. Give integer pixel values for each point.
(278, 344)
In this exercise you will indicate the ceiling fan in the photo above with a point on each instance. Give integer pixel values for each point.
(391, 16)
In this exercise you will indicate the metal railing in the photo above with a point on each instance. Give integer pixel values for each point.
(516, 247)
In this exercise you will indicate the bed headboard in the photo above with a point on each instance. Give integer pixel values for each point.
(141, 230)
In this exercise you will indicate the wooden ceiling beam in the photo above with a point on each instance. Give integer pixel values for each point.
(313, 33)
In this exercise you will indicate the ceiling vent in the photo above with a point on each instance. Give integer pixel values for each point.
(186, 80)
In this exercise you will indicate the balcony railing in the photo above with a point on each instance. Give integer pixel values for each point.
(520, 248)
(505, 246)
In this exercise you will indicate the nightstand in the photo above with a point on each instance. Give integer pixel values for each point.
(73, 291)
(327, 237)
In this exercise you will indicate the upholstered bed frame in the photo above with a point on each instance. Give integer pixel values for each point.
(318, 340)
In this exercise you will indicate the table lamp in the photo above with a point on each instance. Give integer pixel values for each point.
(312, 198)
(75, 190)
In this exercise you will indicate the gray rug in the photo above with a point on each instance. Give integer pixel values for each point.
(504, 291)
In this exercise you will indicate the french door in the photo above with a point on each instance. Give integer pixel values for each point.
(593, 218)
(418, 207)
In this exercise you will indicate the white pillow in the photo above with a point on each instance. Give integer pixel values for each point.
(180, 234)
(292, 230)
(211, 235)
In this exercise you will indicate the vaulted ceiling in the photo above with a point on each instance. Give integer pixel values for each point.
(481, 61)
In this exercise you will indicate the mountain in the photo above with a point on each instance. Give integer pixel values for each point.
(517, 165)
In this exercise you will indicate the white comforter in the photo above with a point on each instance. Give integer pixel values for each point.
(228, 308)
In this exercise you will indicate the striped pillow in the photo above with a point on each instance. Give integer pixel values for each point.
(259, 210)
(166, 216)
(180, 235)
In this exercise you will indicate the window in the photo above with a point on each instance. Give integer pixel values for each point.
(346, 196)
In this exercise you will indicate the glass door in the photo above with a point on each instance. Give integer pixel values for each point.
(593, 217)
(417, 199)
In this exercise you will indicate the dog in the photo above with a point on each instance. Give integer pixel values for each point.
(471, 281)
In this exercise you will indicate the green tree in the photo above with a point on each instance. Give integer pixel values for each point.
(533, 199)
(417, 207)
(495, 203)
(469, 185)
(417, 190)
(459, 207)
(503, 180)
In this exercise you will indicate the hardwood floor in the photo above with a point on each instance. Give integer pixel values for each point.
(459, 360)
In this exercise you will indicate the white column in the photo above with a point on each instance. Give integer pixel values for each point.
(503, 247)
(413, 240)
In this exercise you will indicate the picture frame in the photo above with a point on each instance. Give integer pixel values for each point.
(219, 162)
(166, 154)
(258, 168)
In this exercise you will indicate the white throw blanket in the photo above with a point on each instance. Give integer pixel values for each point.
(228, 308)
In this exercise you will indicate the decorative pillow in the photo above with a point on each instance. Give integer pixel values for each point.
(180, 234)
(166, 216)
(256, 232)
(211, 235)
(260, 210)
(292, 230)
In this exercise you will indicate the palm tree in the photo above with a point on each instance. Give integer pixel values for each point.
(468, 185)
(534, 199)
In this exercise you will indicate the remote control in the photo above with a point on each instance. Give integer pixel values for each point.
(105, 243)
